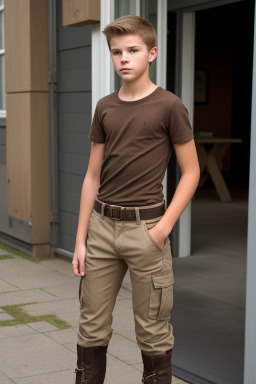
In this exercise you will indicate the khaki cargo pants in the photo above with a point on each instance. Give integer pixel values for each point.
(113, 246)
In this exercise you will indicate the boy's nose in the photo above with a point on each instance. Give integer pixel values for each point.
(124, 58)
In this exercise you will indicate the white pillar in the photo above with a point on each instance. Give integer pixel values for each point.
(187, 96)
(102, 75)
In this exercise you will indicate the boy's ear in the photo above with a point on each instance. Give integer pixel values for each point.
(152, 54)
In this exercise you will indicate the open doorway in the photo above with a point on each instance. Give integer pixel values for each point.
(209, 291)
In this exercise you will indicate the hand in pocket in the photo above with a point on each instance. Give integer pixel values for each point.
(157, 236)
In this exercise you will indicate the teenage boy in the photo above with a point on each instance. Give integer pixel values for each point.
(124, 221)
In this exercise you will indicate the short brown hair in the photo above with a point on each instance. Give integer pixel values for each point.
(130, 24)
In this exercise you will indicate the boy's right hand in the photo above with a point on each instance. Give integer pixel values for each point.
(79, 260)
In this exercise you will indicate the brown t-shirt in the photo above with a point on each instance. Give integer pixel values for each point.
(139, 137)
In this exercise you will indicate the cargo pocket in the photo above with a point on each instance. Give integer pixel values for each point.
(161, 295)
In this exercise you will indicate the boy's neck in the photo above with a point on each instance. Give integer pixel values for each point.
(134, 91)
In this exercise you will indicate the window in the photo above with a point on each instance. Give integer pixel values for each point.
(2, 63)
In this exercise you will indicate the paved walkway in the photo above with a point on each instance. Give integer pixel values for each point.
(39, 312)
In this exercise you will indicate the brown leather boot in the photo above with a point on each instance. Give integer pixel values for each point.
(91, 365)
(157, 369)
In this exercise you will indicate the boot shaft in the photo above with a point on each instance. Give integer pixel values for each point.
(91, 365)
(157, 369)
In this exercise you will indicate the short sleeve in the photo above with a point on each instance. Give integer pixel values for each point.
(97, 133)
(179, 126)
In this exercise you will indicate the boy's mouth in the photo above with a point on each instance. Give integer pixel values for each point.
(125, 69)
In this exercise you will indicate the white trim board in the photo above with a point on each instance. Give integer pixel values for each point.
(102, 69)
(187, 96)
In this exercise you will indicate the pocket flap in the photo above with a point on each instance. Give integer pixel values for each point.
(163, 279)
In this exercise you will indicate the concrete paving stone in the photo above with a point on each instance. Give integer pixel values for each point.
(130, 335)
(27, 296)
(6, 287)
(124, 293)
(138, 366)
(56, 307)
(63, 336)
(112, 361)
(32, 355)
(42, 326)
(26, 274)
(71, 346)
(125, 374)
(127, 278)
(64, 291)
(14, 331)
(123, 321)
(127, 287)
(71, 318)
(4, 379)
(124, 349)
(65, 267)
(62, 377)
(5, 316)
(123, 306)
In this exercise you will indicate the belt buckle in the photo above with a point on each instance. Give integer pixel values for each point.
(111, 210)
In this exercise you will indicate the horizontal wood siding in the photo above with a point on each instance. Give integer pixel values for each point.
(74, 121)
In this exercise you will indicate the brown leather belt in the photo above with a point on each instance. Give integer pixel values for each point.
(118, 212)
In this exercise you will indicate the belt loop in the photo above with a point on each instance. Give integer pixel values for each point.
(137, 213)
(103, 210)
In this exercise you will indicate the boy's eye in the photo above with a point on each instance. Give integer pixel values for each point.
(134, 50)
(116, 53)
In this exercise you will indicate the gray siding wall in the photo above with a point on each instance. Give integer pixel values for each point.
(74, 121)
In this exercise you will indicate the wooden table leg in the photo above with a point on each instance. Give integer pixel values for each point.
(210, 161)
(217, 177)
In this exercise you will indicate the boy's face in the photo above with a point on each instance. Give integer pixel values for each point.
(130, 56)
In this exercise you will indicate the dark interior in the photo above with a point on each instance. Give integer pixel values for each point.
(224, 48)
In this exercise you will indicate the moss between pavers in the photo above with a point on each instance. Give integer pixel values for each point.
(4, 257)
(14, 251)
(21, 317)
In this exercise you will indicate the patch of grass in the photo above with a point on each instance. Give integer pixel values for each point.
(49, 293)
(4, 257)
(21, 317)
(14, 251)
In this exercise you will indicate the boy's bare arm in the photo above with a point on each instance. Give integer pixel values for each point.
(190, 174)
(89, 192)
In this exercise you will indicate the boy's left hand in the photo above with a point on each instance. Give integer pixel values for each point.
(158, 236)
